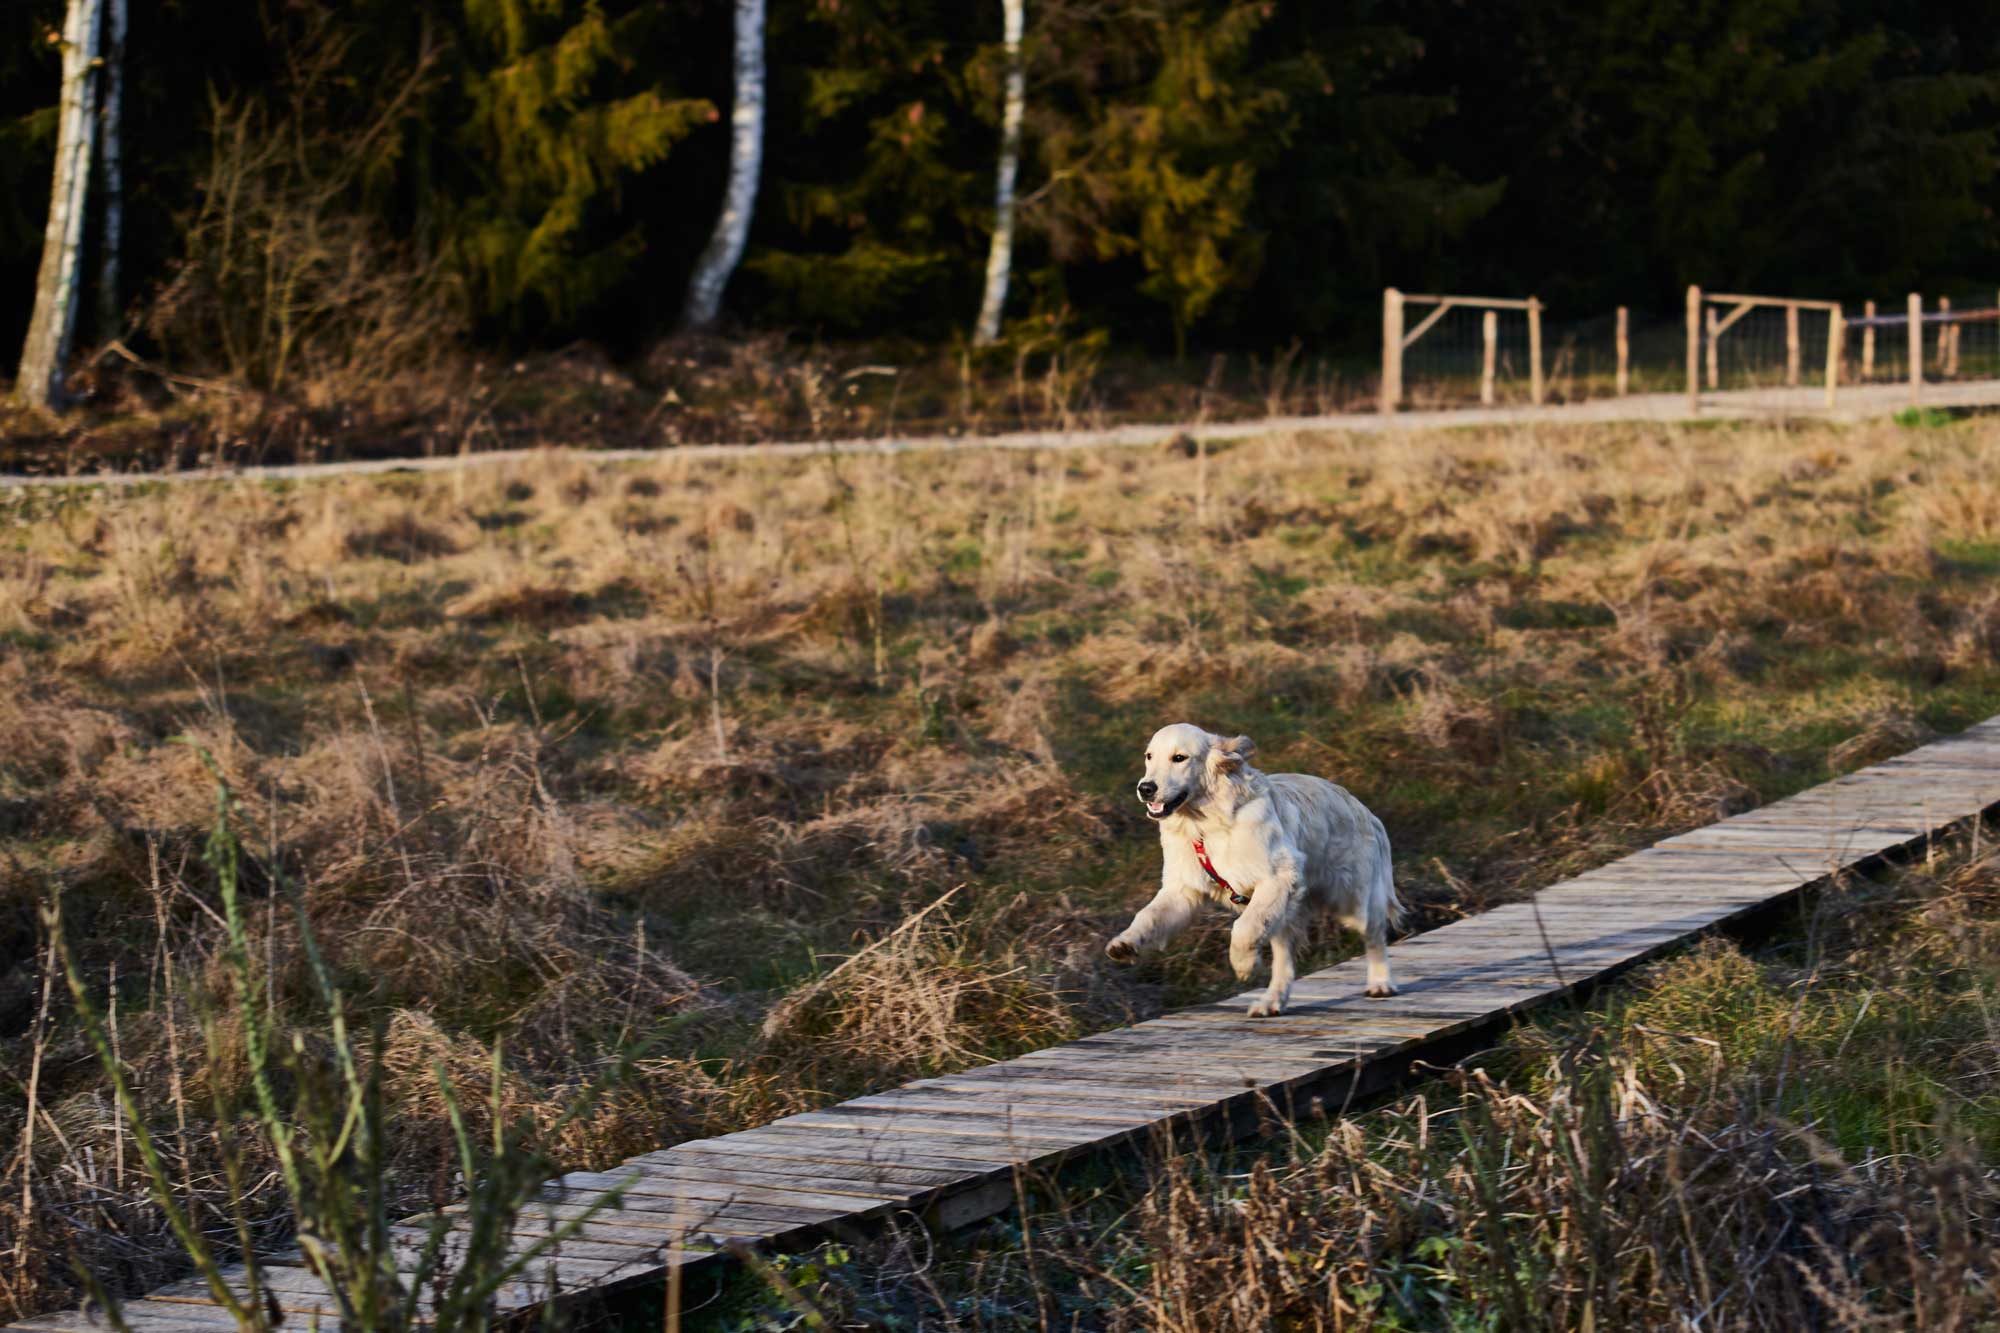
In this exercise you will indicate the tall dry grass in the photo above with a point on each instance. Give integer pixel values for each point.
(569, 757)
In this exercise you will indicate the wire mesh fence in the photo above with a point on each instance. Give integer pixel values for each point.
(1584, 356)
(1468, 356)
(1472, 356)
(1772, 352)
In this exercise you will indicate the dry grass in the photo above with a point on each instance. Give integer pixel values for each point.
(570, 756)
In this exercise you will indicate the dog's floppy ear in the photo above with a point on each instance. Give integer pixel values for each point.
(1232, 754)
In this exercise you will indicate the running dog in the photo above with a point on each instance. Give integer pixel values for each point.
(1276, 847)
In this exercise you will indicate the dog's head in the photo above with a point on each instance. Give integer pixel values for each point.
(1186, 767)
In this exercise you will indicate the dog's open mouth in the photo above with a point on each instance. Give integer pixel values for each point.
(1161, 809)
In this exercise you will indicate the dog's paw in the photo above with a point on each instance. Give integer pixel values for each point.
(1119, 951)
(1266, 1009)
(1245, 964)
(1381, 991)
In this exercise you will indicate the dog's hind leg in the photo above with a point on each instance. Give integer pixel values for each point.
(1283, 970)
(1381, 984)
(1383, 911)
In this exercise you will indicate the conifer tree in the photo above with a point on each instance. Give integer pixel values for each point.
(886, 206)
(554, 133)
(1161, 155)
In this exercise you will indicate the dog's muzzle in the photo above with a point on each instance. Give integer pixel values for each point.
(1156, 809)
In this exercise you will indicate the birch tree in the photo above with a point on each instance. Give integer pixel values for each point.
(746, 152)
(53, 323)
(111, 157)
(1000, 259)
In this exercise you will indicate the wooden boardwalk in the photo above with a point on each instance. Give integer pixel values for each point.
(948, 1149)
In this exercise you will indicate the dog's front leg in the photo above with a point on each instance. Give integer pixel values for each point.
(1282, 973)
(1158, 921)
(1266, 921)
(1246, 941)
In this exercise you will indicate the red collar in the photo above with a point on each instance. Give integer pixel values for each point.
(1201, 855)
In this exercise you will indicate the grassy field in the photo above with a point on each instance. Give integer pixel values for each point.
(567, 758)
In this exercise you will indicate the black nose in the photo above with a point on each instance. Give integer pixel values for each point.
(1148, 789)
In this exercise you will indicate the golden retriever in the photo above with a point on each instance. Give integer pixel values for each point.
(1277, 847)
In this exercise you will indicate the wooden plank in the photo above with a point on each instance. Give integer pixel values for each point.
(862, 1175)
(1424, 325)
(712, 1223)
(858, 1152)
(656, 1177)
(619, 1254)
(1792, 344)
(1392, 351)
(142, 1316)
(652, 1241)
(994, 1125)
(1121, 1090)
(1485, 302)
(1535, 378)
(1489, 333)
(1624, 351)
(1694, 308)
(639, 1184)
(867, 1142)
(635, 1209)
(1012, 1107)
(1773, 300)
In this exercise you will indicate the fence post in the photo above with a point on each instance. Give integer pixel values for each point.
(1835, 326)
(1624, 350)
(1694, 348)
(1916, 357)
(1791, 345)
(1714, 342)
(1392, 349)
(1868, 342)
(1947, 342)
(1535, 350)
(1489, 330)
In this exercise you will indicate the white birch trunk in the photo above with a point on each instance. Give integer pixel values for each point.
(111, 153)
(746, 153)
(1000, 259)
(53, 323)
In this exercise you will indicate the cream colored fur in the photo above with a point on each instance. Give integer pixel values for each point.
(1295, 845)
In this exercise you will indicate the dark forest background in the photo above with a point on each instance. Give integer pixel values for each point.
(1244, 173)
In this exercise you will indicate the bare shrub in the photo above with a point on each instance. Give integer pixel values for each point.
(303, 292)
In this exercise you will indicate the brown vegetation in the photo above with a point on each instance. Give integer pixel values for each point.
(568, 756)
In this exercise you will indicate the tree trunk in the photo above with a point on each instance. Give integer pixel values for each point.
(53, 323)
(1000, 259)
(746, 151)
(111, 153)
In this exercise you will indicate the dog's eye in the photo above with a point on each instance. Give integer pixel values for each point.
(1180, 759)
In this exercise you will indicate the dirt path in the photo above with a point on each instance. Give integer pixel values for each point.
(1853, 404)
